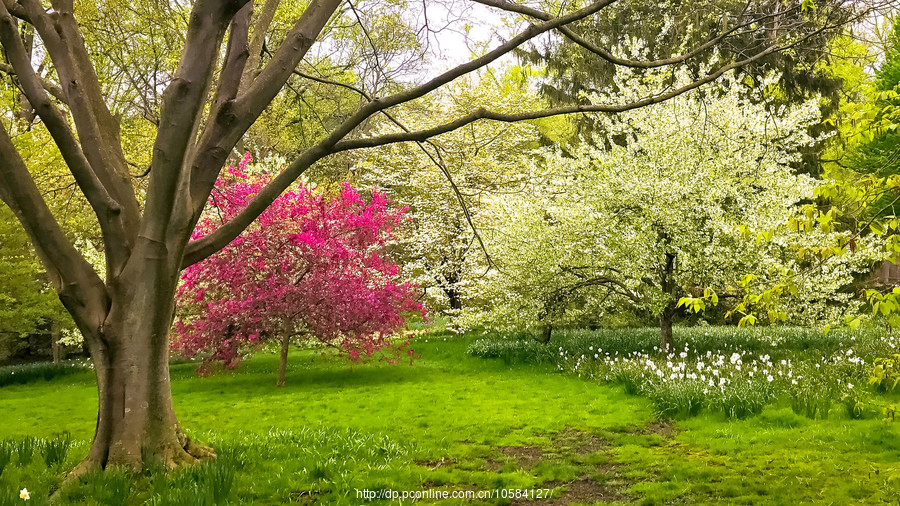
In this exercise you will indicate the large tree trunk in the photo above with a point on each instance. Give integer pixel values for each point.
(282, 365)
(136, 423)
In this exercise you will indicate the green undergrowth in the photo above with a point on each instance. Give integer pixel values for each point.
(777, 342)
(41, 371)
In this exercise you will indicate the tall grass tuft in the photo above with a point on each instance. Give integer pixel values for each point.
(681, 399)
(56, 450)
(741, 399)
(25, 449)
(6, 451)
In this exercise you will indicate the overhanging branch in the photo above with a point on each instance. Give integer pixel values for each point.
(202, 183)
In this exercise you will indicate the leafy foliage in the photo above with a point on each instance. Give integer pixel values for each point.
(886, 373)
(27, 303)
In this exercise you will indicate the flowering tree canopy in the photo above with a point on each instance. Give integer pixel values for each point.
(481, 160)
(313, 265)
(684, 200)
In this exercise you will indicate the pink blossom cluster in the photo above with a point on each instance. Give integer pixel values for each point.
(312, 265)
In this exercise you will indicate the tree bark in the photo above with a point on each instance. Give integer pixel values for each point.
(282, 365)
(455, 299)
(665, 327)
(136, 422)
(546, 332)
(667, 284)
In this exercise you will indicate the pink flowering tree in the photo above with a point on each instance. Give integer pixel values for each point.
(311, 268)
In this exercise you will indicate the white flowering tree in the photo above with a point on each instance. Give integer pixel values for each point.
(449, 177)
(685, 202)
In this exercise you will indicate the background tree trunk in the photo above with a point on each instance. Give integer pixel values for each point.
(282, 365)
(455, 299)
(665, 327)
(546, 332)
(667, 315)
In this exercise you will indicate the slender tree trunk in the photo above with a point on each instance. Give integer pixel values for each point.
(54, 341)
(282, 366)
(667, 284)
(136, 422)
(665, 327)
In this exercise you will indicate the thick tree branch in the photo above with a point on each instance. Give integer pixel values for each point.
(181, 111)
(223, 131)
(236, 55)
(79, 287)
(288, 55)
(97, 129)
(108, 211)
(260, 28)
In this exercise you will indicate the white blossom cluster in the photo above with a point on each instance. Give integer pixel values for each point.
(691, 177)
(482, 159)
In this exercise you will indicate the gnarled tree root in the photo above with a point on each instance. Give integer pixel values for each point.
(185, 452)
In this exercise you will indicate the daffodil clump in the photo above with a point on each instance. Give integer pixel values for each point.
(733, 371)
(738, 384)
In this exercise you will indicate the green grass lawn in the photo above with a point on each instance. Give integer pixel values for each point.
(453, 422)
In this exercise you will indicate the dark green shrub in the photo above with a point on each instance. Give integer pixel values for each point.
(38, 371)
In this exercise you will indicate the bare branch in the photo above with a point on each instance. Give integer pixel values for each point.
(436, 159)
(603, 53)
(525, 116)
(51, 87)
